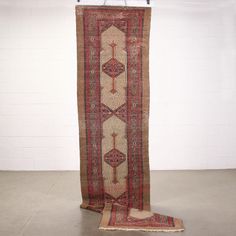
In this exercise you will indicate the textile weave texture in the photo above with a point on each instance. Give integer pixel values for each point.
(113, 105)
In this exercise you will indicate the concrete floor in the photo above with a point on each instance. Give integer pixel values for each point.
(47, 203)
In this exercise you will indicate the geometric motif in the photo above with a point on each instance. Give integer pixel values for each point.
(114, 158)
(119, 24)
(120, 112)
(113, 67)
(122, 199)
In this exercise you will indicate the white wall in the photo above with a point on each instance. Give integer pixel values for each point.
(192, 74)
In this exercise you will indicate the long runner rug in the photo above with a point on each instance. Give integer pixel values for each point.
(113, 104)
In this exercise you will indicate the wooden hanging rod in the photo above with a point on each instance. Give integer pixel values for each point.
(148, 1)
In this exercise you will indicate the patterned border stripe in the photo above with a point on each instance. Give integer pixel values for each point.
(92, 111)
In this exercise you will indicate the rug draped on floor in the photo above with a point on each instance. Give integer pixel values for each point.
(113, 103)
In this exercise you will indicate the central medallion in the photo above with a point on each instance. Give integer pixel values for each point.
(113, 67)
(114, 158)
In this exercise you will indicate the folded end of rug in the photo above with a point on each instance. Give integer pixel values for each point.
(96, 208)
(116, 217)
